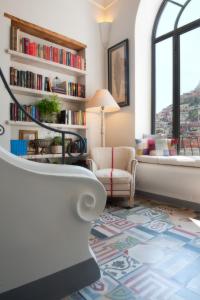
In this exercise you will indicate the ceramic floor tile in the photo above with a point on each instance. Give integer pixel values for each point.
(121, 266)
(100, 288)
(149, 252)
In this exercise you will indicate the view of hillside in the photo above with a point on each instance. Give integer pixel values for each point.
(189, 116)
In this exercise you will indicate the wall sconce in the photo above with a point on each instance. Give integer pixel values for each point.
(105, 28)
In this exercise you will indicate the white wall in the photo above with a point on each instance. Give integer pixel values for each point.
(120, 125)
(143, 31)
(133, 20)
(75, 19)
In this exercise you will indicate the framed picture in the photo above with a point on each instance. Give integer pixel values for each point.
(118, 72)
(29, 135)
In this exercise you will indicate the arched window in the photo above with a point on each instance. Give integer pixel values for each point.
(176, 69)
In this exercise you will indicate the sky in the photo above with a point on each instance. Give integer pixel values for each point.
(190, 53)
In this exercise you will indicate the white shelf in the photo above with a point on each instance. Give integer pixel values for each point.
(37, 93)
(39, 156)
(44, 63)
(58, 126)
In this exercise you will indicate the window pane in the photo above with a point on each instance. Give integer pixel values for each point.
(190, 84)
(164, 94)
(168, 18)
(182, 2)
(191, 13)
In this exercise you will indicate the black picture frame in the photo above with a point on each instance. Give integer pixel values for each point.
(118, 72)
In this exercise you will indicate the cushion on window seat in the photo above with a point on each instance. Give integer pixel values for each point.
(185, 161)
(118, 176)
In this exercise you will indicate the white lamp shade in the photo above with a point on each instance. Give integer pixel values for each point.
(102, 100)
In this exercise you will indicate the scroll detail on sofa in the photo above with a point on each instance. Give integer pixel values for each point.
(45, 214)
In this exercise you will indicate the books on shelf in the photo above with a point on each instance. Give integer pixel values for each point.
(16, 114)
(25, 45)
(67, 117)
(73, 117)
(32, 80)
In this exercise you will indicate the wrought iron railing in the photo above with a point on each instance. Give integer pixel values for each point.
(62, 132)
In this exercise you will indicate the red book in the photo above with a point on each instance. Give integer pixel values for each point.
(48, 52)
(30, 49)
(51, 53)
(64, 57)
(34, 49)
(55, 54)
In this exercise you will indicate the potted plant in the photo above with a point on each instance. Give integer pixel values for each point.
(48, 108)
(56, 145)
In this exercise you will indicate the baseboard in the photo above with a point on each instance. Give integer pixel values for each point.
(58, 285)
(169, 200)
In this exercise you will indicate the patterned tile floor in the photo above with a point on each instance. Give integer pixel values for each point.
(151, 251)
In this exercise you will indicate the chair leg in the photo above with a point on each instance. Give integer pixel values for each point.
(131, 202)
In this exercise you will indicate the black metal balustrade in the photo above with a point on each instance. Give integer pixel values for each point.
(62, 132)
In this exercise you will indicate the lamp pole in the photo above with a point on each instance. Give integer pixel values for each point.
(102, 127)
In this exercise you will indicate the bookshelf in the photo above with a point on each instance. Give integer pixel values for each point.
(54, 125)
(44, 64)
(71, 69)
(42, 156)
(37, 93)
(45, 34)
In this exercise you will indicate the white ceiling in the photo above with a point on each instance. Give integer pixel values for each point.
(103, 3)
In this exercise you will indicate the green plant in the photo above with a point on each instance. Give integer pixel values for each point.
(49, 105)
(57, 141)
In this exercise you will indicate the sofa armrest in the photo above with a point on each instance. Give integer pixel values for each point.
(92, 165)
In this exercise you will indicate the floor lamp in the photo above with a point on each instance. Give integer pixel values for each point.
(102, 102)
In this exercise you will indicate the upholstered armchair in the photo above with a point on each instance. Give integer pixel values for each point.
(115, 169)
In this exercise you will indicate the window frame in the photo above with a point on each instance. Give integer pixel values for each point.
(175, 35)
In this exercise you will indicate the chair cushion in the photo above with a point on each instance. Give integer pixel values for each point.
(117, 186)
(118, 176)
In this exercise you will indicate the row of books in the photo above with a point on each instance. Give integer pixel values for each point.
(65, 117)
(32, 80)
(28, 79)
(73, 117)
(68, 88)
(27, 46)
(16, 114)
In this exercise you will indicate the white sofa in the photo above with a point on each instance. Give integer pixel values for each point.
(174, 176)
(45, 221)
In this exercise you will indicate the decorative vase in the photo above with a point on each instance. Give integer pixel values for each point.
(48, 118)
(56, 149)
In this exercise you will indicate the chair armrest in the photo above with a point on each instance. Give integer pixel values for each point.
(134, 163)
(92, 165)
